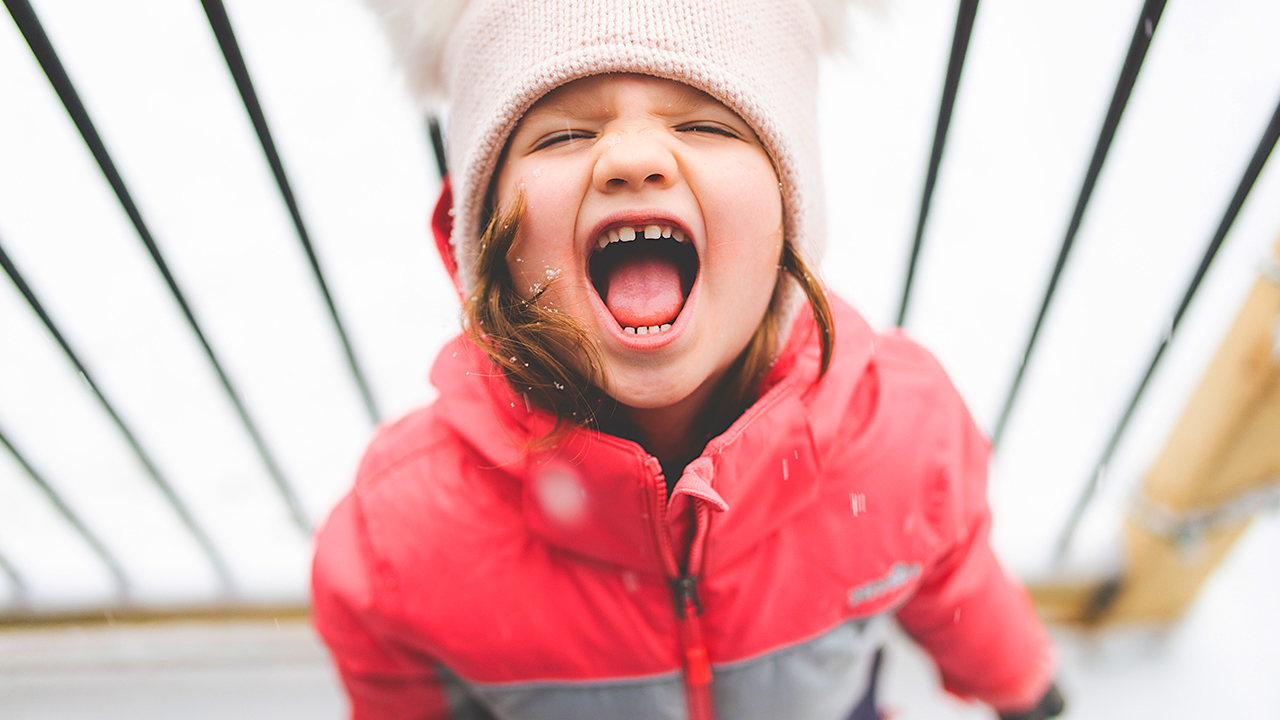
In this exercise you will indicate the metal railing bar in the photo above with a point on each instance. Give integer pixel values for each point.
(29, 25)
(1260, 155)
(20, 590)
(1148, 19)
(157, 478)
(123, 586)
(959, 49)
(216, 12)
(437, 145)
(1142, 35)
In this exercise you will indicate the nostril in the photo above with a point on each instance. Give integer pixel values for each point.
(656, 177)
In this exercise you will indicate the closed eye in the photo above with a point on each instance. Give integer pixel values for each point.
(560, 137)
(709, 129)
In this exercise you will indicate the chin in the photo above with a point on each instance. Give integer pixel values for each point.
(652, 390)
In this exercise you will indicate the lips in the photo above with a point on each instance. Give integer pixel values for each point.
(643, 273)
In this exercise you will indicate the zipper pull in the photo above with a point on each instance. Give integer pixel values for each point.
(685, 589)
(697, 666)
(688, 608)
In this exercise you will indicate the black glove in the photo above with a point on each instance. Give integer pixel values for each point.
(1050, 705)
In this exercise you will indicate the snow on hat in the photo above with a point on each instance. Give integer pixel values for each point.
(491, 60)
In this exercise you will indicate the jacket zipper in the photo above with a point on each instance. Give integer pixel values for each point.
(688, 607)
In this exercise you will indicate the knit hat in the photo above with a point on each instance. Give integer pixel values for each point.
(490, 60)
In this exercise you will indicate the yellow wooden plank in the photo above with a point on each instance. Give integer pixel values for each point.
(1254, 455)
(140, 615)
(1233, 386)
(1063, 603)
(1226, 443)
(1162, 578)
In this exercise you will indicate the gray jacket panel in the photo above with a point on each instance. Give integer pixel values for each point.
(819, 679)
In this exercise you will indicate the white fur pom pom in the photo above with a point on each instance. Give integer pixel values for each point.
(418, 31)
(834, 17)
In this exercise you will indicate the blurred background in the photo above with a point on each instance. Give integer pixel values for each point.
(200, 327)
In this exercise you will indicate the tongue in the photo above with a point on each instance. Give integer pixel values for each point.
(644, 290)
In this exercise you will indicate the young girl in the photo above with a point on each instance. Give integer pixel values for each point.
(667, 476)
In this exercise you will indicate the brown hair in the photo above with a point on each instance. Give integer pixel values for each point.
(530, 342)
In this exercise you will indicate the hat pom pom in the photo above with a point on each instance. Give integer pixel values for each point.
(418, 31)
(833, 15)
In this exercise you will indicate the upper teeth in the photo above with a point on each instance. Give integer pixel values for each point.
(648, 232)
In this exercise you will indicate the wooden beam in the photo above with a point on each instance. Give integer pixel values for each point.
(1225, 447)
(139, 615)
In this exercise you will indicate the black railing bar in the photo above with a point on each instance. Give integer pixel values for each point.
(1148, 19)
(221, 24)
(123, 586)
(40, 46)
(15, 580)
(437, 145)
(1251, 173)
(157, 478)
(959, 49)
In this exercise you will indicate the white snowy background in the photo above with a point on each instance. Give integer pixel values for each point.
(1036, 85)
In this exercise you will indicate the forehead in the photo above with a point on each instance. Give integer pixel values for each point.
(599, 97)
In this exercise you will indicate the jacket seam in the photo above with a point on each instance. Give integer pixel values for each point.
(570, 682)
(886, 614)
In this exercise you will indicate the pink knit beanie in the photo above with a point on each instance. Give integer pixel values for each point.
(490, 60)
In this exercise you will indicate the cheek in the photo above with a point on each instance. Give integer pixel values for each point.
(750, 271)
(747, 195)
(749, 220)
(534, 259)
(543, 246)
(544, 178)
(542, 251)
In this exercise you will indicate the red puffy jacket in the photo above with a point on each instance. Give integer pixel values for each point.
(468, 575)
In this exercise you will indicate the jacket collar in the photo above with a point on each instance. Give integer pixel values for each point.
(593, 494)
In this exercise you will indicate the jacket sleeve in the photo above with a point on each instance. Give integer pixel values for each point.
(977, 623)
(384, 679)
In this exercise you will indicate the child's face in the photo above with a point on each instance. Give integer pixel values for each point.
(605, 156)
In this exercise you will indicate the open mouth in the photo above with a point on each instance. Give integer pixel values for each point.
(644, 274)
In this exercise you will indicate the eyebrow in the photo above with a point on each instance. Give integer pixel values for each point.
(575, 105)
(688, 100)
(691, 100)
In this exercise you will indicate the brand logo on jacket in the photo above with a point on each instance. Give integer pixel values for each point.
(899, 575)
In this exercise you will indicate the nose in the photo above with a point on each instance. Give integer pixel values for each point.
(633, 161)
